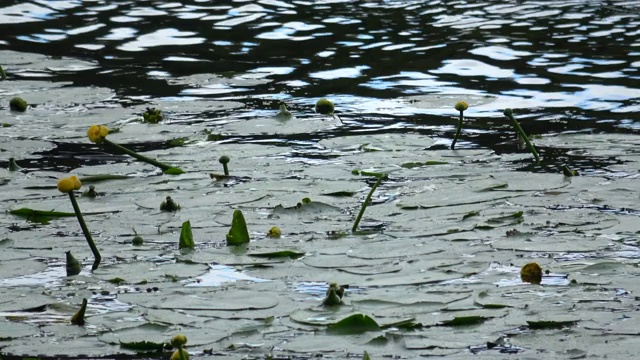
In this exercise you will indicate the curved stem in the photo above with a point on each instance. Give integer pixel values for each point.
(137, 156)
(85, 230)
(226, 169)
(524, 136)
(458, 131)
(365, 203)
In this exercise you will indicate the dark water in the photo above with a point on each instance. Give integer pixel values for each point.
(563, 65)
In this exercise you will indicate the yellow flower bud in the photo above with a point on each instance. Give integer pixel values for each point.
(461, 106)
(97, 133)
(66, 185)
(178, 341)
(77, 184)
(531, 273)
(274, 232)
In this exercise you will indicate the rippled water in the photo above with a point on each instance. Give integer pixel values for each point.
(567, 65)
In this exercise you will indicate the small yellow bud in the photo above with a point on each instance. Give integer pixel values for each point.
(178, 341)
(97, 133)
(324, 106)
(274, 232)
(66, 185)
(461, 106)
(508, 112)
(531, 273)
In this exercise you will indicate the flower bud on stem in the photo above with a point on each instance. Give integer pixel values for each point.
(165, 168)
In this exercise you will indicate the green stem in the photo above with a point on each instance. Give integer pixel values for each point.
(525, 137)
(137, 156)
(3, 75)
(458, 131)
(182, 357)
(226, 169)
(85, 230)
(365, 203)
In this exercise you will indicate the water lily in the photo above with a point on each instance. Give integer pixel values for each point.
(68, 185)
(461, 106)
(98, 134)
(509, 114)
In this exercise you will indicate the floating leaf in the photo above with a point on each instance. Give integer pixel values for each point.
(145, 346)
(354, 324)
(470, 214)
(238, 234)
(174, 171)
(186, 236)
(550, 324)
(465, 321)
(43, 216)
(340, 193)
(366, 356)
(279, 254)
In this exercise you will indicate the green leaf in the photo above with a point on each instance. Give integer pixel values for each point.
(238, 234)
(98, 178)
(279, 254)
(143, 346)
(549, 324)
(470, 214)
(366, 356)
(435, 162)
(411, 165)
(340, 193)
(174, 171)
(464, 321)
(117, 281)
(186, 236)
(354, 324)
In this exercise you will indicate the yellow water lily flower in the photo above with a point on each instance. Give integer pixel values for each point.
(97, 133)
(178, 341)
(66, 185)
(461, 106)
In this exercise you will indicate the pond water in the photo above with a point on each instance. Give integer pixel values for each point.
(440, 241)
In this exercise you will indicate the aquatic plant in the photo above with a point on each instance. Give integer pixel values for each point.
(186, 236)
(366, 202)
(68, 185)
(274, 232)
(18, 104)
(169, 205)
(178, 342)
(152, 116)
(461, 106)
(91, 192)
(137, 239)
(73, 266)
(78, 317)
(325, 107)
(3, 75)
(98, 134)
(531, 273)
(13, 166)
(224, 160)
(284, 114)
(238, 234)
(334, 295)
(509, 114)
(569, 172)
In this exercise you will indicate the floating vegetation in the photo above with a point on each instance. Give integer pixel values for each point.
(152, 116)
(283, 114)
(78, 317)
(18, 104)
(274, 233)
(224, 160)
(169, 205)
(531, 273)
(186, 236)
(98, 134)
(334, 294)
(13, 166)
(569, 172)
(366, 202)
(72, 265)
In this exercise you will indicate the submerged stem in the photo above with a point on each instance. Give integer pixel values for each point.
(85, 230)
(458, 131)
(137, 156)
(365, 203)
(522, 134)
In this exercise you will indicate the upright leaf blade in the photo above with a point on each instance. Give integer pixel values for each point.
(186, 236)
(238, 234)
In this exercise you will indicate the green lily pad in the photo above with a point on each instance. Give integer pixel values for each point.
(278, 254)
(354, 324)
(550, 324)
